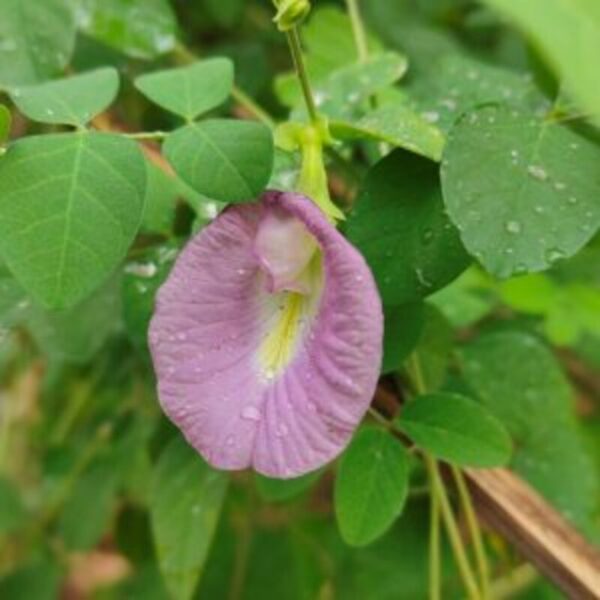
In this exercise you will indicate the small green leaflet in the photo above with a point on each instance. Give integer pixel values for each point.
(397, 125)
(225, 160)
(186, 500)
(36, 40)
(139, 28)
(5, 122)
(400, 226)
(70, 206)
(342, 91)
(552, 26)
(72, 101)
(525, 201)
(192, 90)
(456, 429)
(371, 486)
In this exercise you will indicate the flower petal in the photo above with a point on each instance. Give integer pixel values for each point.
(275, 381)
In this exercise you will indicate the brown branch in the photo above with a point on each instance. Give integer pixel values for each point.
(510, 506)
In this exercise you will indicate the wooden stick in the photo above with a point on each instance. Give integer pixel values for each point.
(511, 507)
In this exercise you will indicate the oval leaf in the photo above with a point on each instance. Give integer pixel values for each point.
(400, 226)
(397, 125)
(226, 160)
(530, 198)
(192, 90)
(186, 500)
(73, 101)
(456, 429)
(70, 206)
(371, 486)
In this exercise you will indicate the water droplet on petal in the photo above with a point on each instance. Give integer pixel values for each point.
(251, 413)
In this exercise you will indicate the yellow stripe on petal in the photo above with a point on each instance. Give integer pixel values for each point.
(288, 316)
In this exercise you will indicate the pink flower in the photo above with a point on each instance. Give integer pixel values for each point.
(267, 338)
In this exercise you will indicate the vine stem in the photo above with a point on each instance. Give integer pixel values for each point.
(474, 530)
(358, 29)
(458, 548)
(439, 496)
(435, 560)
(296, 50)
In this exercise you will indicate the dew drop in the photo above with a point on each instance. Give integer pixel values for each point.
(554, 254)
(572, 200)
(251, 413)
(281, 430)
(537, 172)
(559, 185)
(513, 227)
(427, 236)
(538, 209)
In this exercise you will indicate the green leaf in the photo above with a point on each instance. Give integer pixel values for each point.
(226, 160)
(192, 90)
(72, 101)
(5, 123)
(525, 201)
(36, 40)
(552, 25)
(139, 28)
(70, 206)
(281, 490)
(400, 226)
(186, 502)
(397, 125)
(371, 486)
(518, 379)
(456, 429)
(455, 84)
(402, 328)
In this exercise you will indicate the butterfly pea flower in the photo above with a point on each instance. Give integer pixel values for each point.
(267, 338)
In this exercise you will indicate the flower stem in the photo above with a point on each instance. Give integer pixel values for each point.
(458, 548)
(296, 51)
(475, 532)
(358, 29)
(435, 560)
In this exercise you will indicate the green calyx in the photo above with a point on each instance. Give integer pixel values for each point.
(290, 13)
(310, 139)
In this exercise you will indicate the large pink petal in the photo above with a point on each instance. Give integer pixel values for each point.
(211, 317)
